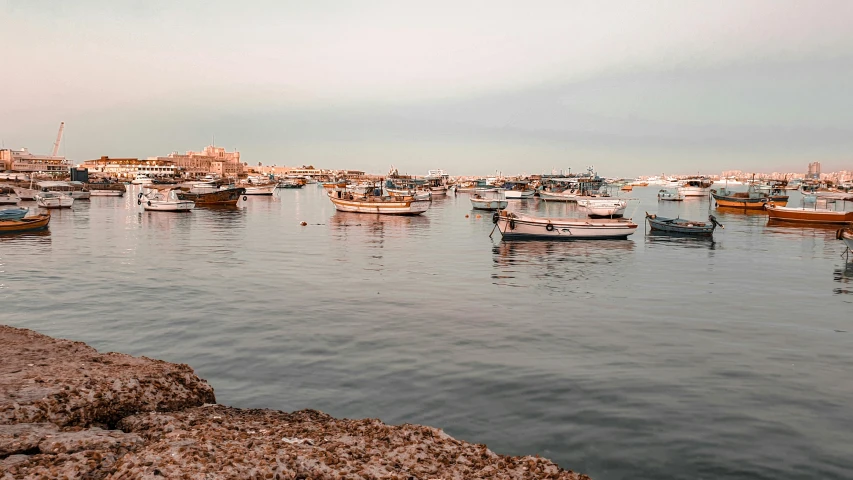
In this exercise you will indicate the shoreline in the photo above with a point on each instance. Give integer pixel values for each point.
(68, 410)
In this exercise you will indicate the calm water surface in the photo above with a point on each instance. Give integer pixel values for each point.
(646, 358)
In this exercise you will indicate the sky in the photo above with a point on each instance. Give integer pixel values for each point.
(473, 87)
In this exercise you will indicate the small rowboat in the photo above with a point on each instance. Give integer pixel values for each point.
(13, 213)
(681, 226)
(515, 226)
(225, 196)
(28, 224)
(479, 202)
(808, 215)
(164, 201)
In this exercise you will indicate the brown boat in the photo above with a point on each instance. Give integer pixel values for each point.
(229, 196)
(26, 224)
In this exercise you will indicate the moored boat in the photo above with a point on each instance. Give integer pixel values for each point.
(165, 200)
(106, 189)
(603, 207)
(54, 200)
(681, 226)
(385, 205)
(27, 224)
(142, 180)
(513, 225)
(259, 189)
(479, 201)
(752, 199)
(665, 195)
(695, 187)
(568, 195)
(808, 215)
(221, 197)
(8, 196)
(518, 191)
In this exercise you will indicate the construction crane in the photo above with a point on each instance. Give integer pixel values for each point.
(58, 138)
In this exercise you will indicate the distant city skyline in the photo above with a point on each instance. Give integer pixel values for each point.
(631, 88)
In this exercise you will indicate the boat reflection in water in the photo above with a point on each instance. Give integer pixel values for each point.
(844, 276)
(345, 223)
(655, 238)
(537, 263)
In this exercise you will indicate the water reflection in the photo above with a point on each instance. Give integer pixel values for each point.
(396, 225)
(844, 276)
(654, 237)
(39, 237)
(538, 263)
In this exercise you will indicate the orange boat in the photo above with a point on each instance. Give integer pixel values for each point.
(752, 199)
(26, 224)
(809, 215)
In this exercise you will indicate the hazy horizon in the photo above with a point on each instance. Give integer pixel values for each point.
(631, 88)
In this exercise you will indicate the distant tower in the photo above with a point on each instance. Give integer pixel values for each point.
(814, 170)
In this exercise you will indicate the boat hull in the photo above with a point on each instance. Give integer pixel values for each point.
(846, 236)
(217, 198)
(54, 201)
(106, 193)
(518, 194)
(382, 207)
(679, 226)
(749, 203)
(603, 208)
(558, 197)
(266, 191)
(514, 226)
(688, 191)
(10, 199)
(159, 206)
(485, 204)
(809, 215)
(30, 224)
(26, 193)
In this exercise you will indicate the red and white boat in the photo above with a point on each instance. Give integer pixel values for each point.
(345, 201)
(809, 215)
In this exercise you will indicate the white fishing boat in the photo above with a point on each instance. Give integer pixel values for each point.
(165, 200)
(345, 201)
(259, 189)
(436, 182)
(8, 196)
(75, 190)
(513, 225)
(54, 200)
(603, 207)
(568, 195)
(518, 191)
(142, 179)
(488, 201)
(695, 187)
(670, 196)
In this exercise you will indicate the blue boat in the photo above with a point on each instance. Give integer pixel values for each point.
(13, 213)
(680, 226)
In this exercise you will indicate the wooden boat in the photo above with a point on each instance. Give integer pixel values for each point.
(259, 189)
(513, 225)
(681, 226)
(225, 196)
(752, 199)
(8, 196)
(627, 188)
(480, 202)
(808, 215)
(603, 207)
(846, 235)
(670, 196)
(27, 224)
(385, 205)
(54, 200)
(13, 213)
(165, 200)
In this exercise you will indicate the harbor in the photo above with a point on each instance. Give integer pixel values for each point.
(274, 300)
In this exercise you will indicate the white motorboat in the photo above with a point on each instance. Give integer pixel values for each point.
(165, 200)
(603, 207)
(513, 225)
(695, 187)
(568, 195)
(391, 205)
(482, 201)
(26, 193)
(670, 196)
(518, 191)
(142, 180)
(106, 189)
(8, 196)
(259, 189)
(54, 200)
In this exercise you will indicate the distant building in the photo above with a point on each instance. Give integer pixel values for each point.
(210, 160)
(24, 161)
(131, 167)
(814, 170)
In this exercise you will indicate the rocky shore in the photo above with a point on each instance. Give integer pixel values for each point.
(67, 411)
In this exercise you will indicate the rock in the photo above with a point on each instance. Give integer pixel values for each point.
(56, 397)
(67, 383)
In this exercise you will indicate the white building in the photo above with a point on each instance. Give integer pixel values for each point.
(24, 161)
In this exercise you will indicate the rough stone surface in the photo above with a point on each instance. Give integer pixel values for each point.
(67, 383)
(55, 395)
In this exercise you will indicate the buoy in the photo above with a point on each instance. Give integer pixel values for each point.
(466, 215)
(304, 223)
(479, 216)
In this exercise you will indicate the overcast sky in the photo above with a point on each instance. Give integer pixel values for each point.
(632, 87)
